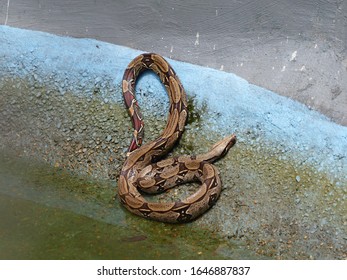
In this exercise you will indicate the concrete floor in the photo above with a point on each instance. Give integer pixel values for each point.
(294, 48)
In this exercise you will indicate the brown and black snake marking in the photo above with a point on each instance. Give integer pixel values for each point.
(142, 171)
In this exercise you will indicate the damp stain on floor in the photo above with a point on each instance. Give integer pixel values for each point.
(60, 216)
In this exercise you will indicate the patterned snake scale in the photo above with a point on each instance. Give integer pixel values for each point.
(143, 172)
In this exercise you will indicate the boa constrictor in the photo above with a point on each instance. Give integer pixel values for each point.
(143, 172)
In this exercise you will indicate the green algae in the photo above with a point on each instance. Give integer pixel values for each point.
(196, 112)
(284, 208)
(32, 231)
(38, 223)
(276, 203)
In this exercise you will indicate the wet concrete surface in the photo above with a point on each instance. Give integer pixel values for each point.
(47, 213)
(283, 195)
(274, 205)
(294, 48)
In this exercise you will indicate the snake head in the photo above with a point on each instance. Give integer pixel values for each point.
(222, 147)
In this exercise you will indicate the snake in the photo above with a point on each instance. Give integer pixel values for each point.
(146, 170)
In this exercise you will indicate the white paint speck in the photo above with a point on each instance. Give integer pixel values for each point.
(273, 68)
(293, 58)
(197, 39)
(283, 68)
(214, 47)
(171, 50)
(302, 68)
(7, 11)
(241, 64)
(216, 13)
(221, 67)
(315, 46)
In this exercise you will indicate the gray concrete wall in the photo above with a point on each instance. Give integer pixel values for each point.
(295, 48)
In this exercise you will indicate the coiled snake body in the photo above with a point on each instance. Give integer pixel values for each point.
(142, 170)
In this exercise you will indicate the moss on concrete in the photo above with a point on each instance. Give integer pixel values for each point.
(280, 206)
(48, 213)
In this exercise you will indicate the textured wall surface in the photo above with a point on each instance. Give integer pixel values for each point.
(294, 48)
(284, 182)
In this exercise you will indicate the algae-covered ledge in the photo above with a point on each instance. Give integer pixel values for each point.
(285, 181)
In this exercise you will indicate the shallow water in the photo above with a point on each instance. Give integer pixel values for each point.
(47, 213)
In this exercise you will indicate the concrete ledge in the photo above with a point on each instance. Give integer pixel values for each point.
(85, 67)
(61, 101)
(296, 50)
